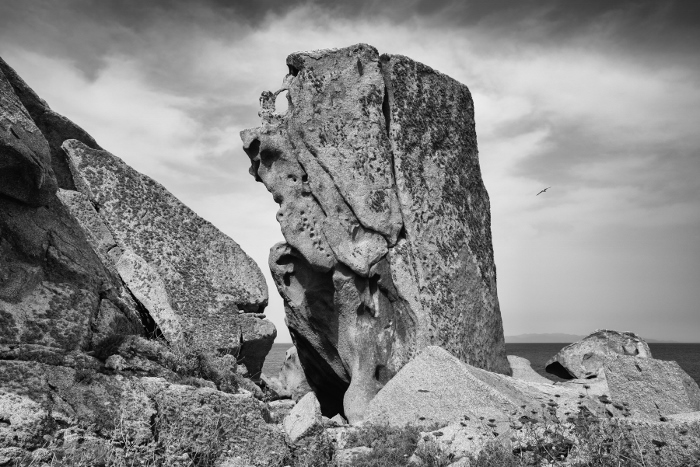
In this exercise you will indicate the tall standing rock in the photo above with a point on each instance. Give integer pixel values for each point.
(386, 220)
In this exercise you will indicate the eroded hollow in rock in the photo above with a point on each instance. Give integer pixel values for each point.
(388, 242)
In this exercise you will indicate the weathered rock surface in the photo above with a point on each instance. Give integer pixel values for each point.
(304, 419)
(82, 414)
(469, 409)
(437, 388)
(522, 370)
(190, 277)
(81, 376)
(386, 220)
(651, 388)
(585, 358)
(25, 159)
(291, 381)
(55, 128)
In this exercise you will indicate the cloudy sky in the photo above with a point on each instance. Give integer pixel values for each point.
(598, 99)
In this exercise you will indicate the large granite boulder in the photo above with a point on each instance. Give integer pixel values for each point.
(86, 286)
(650, 388)
(56, 294)
(25, 159)
(584, 359)
(465, 410)
(190, 277)
(386, 220)
(436, 388)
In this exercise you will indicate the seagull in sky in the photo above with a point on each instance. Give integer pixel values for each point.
(543, 191)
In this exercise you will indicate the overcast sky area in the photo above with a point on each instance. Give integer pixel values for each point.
(598, 99)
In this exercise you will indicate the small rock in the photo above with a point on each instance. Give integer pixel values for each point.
(304, 419)
(349, 457)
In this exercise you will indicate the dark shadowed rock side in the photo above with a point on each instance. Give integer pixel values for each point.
(386, 220)
(122, 313)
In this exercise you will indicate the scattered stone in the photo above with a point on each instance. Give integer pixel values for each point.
(388, 246)
(304, 419)
(279, 409)
(651, 388)
(522, 370)
(348, 457)
(584, 359)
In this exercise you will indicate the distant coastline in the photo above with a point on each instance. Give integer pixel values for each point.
(561, 338)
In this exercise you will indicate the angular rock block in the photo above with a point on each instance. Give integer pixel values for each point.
(385, 216)
(437, 388)
(79, 266)
(191, 278)
(651, 388)
(304, 419)
(584, 359)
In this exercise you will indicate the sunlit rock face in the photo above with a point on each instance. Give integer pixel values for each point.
(386, 220)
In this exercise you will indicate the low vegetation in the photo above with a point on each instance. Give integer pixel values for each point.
(580, 440)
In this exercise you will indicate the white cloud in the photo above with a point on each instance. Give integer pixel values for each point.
(612, 133)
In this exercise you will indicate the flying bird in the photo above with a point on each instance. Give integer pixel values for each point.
(543, 191)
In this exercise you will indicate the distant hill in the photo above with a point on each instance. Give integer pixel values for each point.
(557, 338)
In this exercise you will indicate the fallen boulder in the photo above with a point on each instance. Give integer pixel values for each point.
(584, 359)
(436, 388)
(650, 388)
(386, 219)
(304, 419)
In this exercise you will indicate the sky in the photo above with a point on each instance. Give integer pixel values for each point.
(598, 99)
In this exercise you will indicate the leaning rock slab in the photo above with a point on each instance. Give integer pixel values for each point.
(585, 358)
(191, 278)
(385, 216)
(304, 419)
(651, 388)
(25, 158)
(437, 388)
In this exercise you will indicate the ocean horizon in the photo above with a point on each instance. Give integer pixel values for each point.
(687, 355)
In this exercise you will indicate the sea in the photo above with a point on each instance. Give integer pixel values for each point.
(686, 355)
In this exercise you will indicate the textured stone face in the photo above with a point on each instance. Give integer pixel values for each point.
(651, 388)
(188, 275)
(111, 251)
(25, 160)
(385, 216)
(585, 359)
